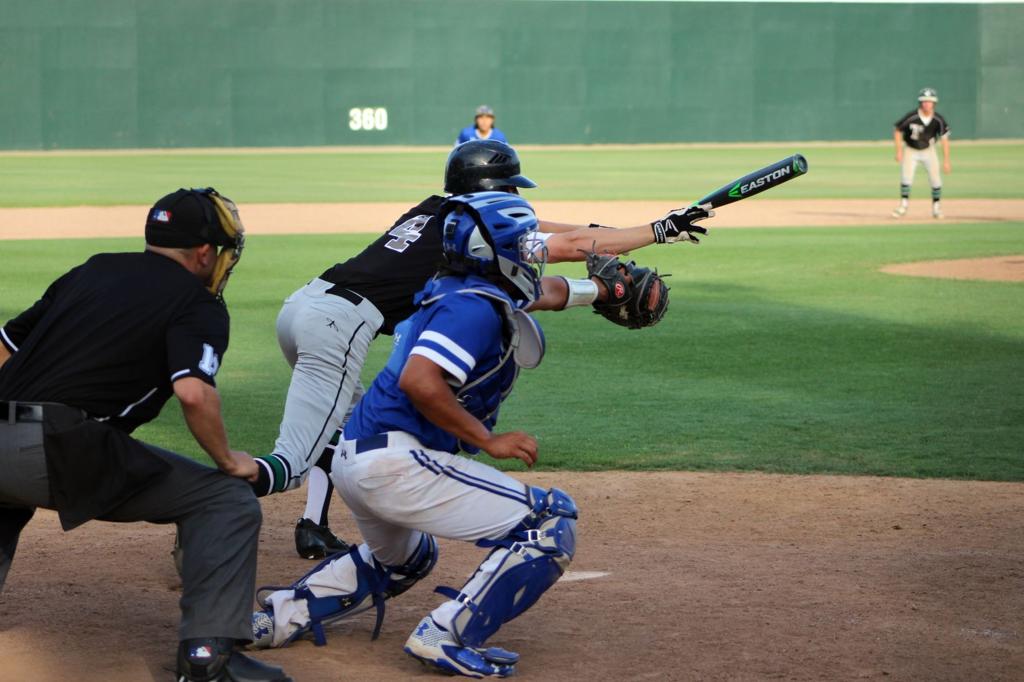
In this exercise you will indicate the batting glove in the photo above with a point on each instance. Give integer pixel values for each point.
(680, 224)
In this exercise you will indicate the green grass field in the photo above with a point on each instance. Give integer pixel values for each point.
(784, 349)
(672, 174)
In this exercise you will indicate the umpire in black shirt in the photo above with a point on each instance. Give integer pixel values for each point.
(98, 355)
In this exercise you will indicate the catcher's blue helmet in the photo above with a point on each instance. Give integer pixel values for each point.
(494, 233)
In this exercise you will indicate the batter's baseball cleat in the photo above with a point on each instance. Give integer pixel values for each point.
(936, 210)
(313, 541)
(436, 648)
(214, 659)
(899, 212)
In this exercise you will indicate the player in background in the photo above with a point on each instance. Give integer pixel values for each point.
(453, 363)
(914, 136)
(326, 327)
(482, 128)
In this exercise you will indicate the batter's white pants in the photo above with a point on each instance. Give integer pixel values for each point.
(926, 157)
(397, 493)
(325, 338)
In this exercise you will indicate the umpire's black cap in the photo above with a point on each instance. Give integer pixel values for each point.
(481, 165)
(184, 219)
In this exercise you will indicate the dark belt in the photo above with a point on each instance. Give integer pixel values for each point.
(14, 412)
(377, 442)
(347, 294)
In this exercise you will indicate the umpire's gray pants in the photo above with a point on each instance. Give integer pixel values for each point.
(218, 521)
(325, 338)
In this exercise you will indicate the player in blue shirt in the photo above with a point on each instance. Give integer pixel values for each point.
(482, 128)
(454, 361)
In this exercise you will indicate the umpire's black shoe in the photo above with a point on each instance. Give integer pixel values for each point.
(313, 541)
(214, 659)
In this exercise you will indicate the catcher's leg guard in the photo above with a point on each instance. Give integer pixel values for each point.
(418, 567)
(375, 583)
(523, 565)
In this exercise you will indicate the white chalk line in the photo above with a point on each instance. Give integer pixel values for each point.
(572, 576)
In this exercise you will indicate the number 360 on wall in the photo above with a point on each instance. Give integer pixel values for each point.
(368, 118)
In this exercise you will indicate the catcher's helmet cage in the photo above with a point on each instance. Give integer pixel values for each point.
(493, 233)
(481, 165)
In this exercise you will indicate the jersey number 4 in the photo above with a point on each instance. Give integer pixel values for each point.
(407, 233)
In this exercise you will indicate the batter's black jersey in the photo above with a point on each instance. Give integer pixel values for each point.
(918, 134)
(112, 335)
(392, 269)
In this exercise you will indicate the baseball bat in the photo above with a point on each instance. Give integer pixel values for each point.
(757, 182)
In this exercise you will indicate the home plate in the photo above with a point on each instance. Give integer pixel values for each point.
(582, 575)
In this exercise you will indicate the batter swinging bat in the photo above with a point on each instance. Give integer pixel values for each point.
(757, 182)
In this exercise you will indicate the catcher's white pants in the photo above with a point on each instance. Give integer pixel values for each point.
(325, 338)
(397, 493)
(926, 157)
(400, 490)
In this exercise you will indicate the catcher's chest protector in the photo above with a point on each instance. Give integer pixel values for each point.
(523, 346)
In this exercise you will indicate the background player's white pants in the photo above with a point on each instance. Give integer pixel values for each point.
(398, 493)
(325, 338)
(928, 158)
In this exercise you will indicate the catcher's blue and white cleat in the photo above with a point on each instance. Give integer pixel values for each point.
(262, 630)
(436, 648)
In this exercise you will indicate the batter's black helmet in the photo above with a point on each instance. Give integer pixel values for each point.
(481, 165)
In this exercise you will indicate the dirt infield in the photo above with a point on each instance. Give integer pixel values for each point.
(679, 576)
(998, 269)
(707, 576)
(127, 221)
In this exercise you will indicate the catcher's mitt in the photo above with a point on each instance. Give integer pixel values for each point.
(637, 297)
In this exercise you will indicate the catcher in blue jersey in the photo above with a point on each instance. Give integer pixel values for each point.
(454, 361)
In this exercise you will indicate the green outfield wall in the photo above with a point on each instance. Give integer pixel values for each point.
(192, 73)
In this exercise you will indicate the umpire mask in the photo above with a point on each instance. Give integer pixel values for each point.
(230, 252)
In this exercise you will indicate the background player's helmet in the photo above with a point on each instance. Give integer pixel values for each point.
(481, 165)
(494, 233)
(927, 95)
